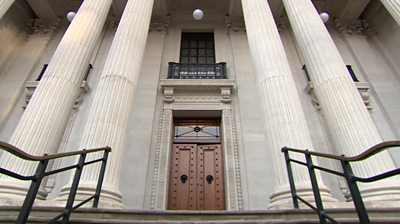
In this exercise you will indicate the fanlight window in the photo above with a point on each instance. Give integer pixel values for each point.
(197, 129)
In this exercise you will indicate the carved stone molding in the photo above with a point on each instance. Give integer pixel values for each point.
(160, 24)
(202, 95)
(363, 89)
(225, 94)
(31, 87)
(169, 94)
(235, 24)
(192, 87)
(359, 26)
(35, 26)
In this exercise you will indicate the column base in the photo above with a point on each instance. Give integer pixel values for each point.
(109, 197)
(282, 197)
(13, 192)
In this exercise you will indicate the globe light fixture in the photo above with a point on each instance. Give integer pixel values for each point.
(324, 17)
(70, 16)
(198, 14)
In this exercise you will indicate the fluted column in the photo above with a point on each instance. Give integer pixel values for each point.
(41, 127)
(4, 6)
(284, 119)
(348, 120)
(393, 7)
(109, 117)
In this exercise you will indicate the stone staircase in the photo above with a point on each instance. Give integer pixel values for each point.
(110, 216)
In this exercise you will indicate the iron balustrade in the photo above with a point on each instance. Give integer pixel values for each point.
(197, 71)
(347, 173)
(41, 173)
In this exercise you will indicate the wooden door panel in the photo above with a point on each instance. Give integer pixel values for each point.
(181, 181)
(198, 163)
(211, 191)
(209, 185)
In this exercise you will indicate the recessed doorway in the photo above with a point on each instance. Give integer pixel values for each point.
(197, 173)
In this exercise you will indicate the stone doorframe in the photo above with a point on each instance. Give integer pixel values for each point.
(201, 96)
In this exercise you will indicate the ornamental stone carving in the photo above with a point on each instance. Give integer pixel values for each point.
(31, 87)
(359, 26)
(363, 89)
(169, 94)
(193, 89)
(201, 95)
(225, 94)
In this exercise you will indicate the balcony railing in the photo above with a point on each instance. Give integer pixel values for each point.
(197, 71)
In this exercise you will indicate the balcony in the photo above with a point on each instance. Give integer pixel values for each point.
(197, 71)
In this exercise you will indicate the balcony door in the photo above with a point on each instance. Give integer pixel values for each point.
(197, 172)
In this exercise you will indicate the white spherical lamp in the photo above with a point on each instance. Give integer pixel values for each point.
(198, 14)
(324, 17)
(70, 16)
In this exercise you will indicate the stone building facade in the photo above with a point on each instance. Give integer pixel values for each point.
(200, 106)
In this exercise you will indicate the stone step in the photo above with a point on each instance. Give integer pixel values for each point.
(111, 216)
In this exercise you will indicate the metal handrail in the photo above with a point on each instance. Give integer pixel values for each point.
(41, 173)
(347, 173)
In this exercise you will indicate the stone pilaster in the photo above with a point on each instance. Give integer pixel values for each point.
(109, 117)
(285, 123)
(393, 7)
(42, 125)
(349, 123)
(4, 6)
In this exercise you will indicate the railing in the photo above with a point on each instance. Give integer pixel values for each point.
(90, 67)
(349, 69)
(41, 173)
(347, 173)
(196, 71)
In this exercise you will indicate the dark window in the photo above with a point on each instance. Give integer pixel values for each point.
(197, 48)
(197, 59)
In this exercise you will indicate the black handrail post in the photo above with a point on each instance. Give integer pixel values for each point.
(315, 188)
(74, 188)
(101, 178)
(355, 193)
(33, 189)
(291, 179)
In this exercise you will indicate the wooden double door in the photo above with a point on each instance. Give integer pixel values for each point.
(196, 177)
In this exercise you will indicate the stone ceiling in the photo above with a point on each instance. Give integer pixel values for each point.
(345, 9)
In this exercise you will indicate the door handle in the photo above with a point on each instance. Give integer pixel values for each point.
(184, 178)
(209, 179)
